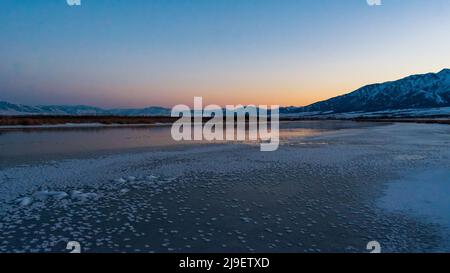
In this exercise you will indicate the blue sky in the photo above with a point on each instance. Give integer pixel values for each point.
(132, 53)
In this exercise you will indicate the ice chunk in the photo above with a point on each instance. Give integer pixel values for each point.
(58, 195)
(25, 201)
(124, 190)
(75, 194)
(90, 195)
(41, 195)
(78, 195)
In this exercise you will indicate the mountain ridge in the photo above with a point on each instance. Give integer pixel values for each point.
(430, 90)
(419, 91)
(7, 108)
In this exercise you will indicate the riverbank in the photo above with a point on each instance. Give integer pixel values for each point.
(43, 120)
(19, 122)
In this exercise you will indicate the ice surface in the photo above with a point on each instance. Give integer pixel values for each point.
(423, 193)
(25, 201)
(305, 197)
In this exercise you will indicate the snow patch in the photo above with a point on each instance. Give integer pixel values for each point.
(423, 194)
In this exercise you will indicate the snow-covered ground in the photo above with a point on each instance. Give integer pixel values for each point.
(410, 112)
(424, 194)
(330, 192)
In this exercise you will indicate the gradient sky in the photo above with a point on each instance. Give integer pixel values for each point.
(134, 53)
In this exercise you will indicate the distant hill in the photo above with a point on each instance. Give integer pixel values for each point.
(416, 95)
(7, 108)
(431, 90)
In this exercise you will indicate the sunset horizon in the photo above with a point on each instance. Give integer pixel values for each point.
(228, 135)
(249, 102)
(112, 54)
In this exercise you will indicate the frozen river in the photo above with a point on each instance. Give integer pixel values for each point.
(332, 186)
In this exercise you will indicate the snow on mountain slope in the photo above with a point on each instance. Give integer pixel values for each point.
(408, 96)
(431, 90)
(7, 108)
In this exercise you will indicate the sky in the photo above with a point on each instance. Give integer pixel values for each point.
(136, 53)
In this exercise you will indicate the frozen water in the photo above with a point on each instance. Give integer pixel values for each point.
(423, 193)
(215, 198)
(25, 201)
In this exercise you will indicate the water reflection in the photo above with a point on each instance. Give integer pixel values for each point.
(42, 143)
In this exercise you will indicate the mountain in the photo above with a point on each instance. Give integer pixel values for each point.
(148, 111)
(416, 95)
(431, 90)
(7, 108)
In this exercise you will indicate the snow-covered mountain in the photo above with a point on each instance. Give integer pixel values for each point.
(416, 95)
(7, 108)
(431, 90)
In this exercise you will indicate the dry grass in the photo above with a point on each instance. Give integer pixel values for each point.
(54, 120)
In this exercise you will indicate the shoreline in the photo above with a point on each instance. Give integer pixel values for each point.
(42, 120)
(49, 122)
(81, 125)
